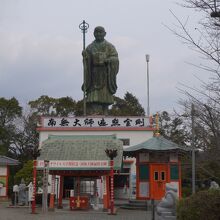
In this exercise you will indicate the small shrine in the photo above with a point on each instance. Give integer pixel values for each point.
(157, 163)
(5, 162)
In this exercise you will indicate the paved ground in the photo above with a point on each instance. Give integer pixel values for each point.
(24, 214)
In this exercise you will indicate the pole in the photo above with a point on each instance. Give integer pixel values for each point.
(52, 193)
(148, 86)
(112, 187)
(34, 187)
(193, 151)
(153, 209)
(84, 26)
(45, 186)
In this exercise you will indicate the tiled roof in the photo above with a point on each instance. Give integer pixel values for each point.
(8, 161)
(155, 144)
(81, 148)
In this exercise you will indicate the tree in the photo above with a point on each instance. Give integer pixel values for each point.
(65, 107)
(26, 173)
(26, 142)
(10, 111)
(48, 106)
(172, 127)
(129, 106)
(205, 39)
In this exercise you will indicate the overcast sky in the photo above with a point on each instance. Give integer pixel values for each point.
(41, 44)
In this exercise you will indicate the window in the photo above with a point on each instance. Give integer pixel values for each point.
(125, 141)
(174, 172)
(156, 175)
(163, 176)
(144, 172)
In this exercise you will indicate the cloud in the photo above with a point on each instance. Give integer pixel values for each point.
(32, 66)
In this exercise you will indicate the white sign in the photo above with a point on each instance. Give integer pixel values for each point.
(94, 122)
(3, 171)
(74, 164)
(144, 189)
(15, 188)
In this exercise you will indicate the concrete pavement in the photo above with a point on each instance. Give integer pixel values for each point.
(65, 214)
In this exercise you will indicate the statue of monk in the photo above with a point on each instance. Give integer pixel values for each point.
(101, 65)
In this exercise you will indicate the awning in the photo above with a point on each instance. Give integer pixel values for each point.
(8, 161)
(80, 152)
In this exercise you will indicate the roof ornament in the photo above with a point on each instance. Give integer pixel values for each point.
(157, 132)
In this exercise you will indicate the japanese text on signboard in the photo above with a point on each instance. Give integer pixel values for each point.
(96, 122)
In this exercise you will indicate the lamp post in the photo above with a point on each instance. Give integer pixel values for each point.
(193, 150)
(111, 153)
(148, 87)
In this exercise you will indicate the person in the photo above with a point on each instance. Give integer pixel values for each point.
(15, 195)
(30, 192)
(101, 65)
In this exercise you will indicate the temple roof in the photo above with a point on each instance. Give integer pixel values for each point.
(8, 161)
(158, 143)
(81, 147)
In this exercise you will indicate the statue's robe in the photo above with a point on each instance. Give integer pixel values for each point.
(101, 66)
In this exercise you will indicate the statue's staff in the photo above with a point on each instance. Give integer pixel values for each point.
(84, 27)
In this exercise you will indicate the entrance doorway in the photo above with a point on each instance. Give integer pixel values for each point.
(67, 186)
(159, 179)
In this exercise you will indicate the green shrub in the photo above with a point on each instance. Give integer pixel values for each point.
(25, 173)
(186, 191)
(204, 205)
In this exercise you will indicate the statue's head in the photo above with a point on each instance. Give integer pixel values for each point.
(22, 181)
(99, 33)
(172, 187)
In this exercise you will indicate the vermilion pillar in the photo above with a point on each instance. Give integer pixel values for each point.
(112, 187)
(106, 193)
(60, 204)
(52, 193)
(34, 187)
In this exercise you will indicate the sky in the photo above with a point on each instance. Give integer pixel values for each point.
(41, 46)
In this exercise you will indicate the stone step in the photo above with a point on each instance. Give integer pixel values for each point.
(138, 202)
(133, 207)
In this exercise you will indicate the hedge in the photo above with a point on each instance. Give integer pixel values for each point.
(204, 205)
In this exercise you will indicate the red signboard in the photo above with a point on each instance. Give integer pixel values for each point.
(79, 202)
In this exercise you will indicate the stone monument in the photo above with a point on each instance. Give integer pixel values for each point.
(22, 195)
(101, 65)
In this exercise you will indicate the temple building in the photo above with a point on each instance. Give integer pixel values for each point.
(75, 149)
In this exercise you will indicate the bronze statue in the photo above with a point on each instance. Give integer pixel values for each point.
(101, 65)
